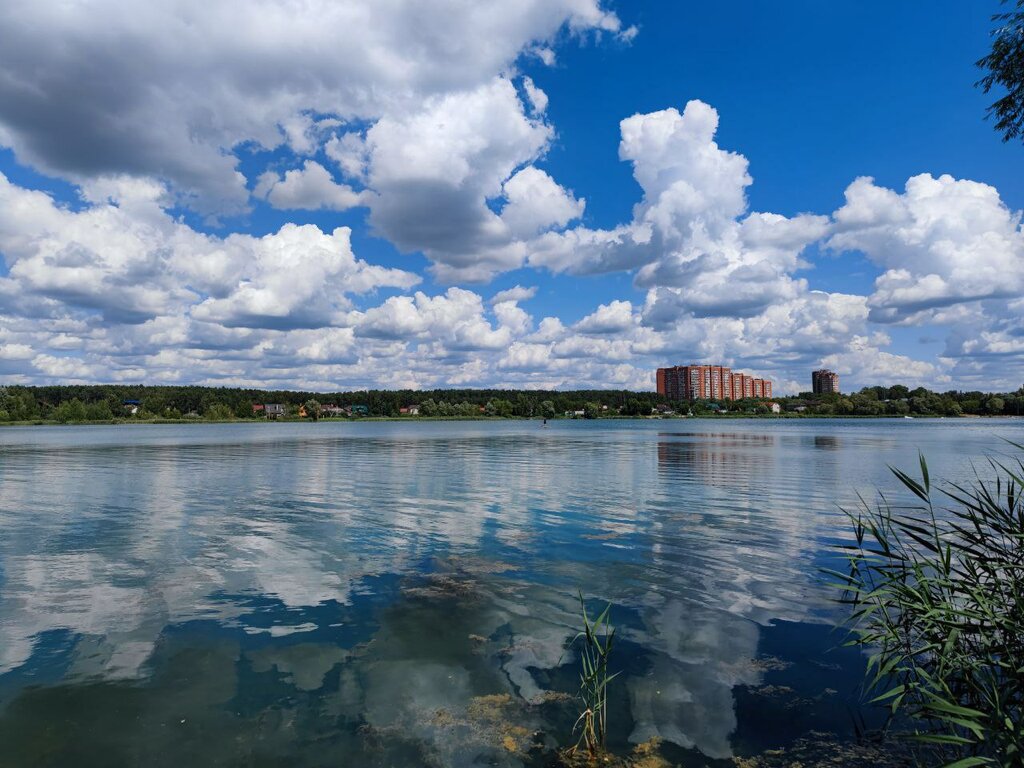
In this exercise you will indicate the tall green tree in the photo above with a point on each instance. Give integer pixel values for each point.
(313, 409)
(1004, 69)
(70, 410)
(98, 411)
(219, 412)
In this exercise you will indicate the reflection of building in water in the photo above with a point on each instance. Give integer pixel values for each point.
(717, 459)
(733, 528)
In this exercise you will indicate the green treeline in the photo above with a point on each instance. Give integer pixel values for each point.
(901, 401)
(876, 401)
(71, 403)
(78, 403)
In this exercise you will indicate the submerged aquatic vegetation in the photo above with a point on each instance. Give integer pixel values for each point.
(494, 720)
(598, 637)
(826, 750)
(644, 755)
(937, 597)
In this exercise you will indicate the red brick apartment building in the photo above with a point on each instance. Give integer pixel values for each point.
(709, 382)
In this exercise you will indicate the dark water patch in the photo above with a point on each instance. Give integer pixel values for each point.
(811, 684)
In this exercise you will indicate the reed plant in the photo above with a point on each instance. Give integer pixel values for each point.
(598, 637)
(936, 591)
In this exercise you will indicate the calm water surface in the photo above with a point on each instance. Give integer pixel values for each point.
(403, 594)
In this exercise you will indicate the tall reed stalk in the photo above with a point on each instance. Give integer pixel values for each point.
(598, 637)
(937, 599)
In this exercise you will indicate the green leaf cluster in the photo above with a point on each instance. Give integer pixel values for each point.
(1004, 71)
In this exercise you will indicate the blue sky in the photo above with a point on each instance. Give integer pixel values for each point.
(539, 194)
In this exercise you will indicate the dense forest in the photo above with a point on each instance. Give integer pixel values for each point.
(74, 403)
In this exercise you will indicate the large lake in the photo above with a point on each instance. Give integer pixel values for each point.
(352, 594)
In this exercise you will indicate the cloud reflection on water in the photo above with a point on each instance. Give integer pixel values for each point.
(696, 538)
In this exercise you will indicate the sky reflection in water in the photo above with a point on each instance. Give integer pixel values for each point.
(345, 593)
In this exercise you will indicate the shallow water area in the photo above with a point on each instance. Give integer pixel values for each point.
(405, 593)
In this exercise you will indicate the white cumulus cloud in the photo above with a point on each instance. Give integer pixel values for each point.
(171, 90)
(942, 241)
(310, 187)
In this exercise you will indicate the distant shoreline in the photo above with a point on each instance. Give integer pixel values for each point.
(415, 419)
(117, 403)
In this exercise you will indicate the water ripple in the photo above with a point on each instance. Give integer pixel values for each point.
(338, 564)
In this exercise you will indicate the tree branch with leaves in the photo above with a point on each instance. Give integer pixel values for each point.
(1004, 67)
